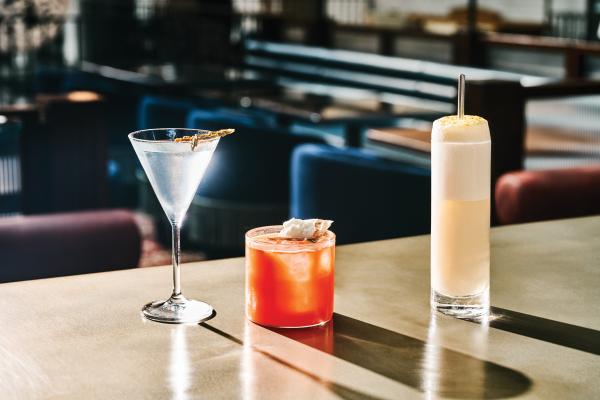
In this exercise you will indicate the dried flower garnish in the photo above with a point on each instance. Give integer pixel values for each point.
(203, 136)
(305, 229)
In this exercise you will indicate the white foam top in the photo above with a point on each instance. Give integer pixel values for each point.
(470, 128)
(461, 158)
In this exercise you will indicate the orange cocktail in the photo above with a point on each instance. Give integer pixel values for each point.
(289, 282)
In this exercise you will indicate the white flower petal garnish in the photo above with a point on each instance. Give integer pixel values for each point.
(305, 228)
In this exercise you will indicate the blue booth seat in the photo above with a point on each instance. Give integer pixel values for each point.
(332, 134)
(157, 112)
(168, 112)
(247, 182)
(368, 197)
(163, 112)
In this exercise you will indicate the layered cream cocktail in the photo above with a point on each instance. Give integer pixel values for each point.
(460, 215)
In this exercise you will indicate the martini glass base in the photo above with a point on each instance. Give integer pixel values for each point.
(178, 310)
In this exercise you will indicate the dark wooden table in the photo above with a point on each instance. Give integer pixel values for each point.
(171, 80)
(414, 145)
(353, 112)
(408, 145)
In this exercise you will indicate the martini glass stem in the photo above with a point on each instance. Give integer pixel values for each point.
(176, 260)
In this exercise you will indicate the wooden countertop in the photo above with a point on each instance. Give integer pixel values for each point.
(82, 337)
(413, 139)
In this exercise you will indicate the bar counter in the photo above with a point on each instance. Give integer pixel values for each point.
(82, 336)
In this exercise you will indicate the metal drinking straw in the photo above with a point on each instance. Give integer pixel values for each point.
(461, 96)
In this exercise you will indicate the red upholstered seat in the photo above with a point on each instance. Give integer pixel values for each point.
(528, 196)
(50, 245)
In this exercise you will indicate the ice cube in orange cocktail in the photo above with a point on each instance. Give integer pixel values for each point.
(289, 282)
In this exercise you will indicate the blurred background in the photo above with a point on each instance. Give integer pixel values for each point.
(332, 100)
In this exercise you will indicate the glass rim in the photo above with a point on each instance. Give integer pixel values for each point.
(287, 247)
(131, 135)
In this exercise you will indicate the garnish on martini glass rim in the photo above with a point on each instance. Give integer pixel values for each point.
(204, 135)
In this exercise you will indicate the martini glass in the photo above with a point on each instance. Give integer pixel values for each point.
(175, 169)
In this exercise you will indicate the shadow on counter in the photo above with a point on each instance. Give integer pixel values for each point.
(560, 333)
(423, 365)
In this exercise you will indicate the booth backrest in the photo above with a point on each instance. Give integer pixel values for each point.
(250, 166)
(368, 197)
(528, 196)
(43, 246)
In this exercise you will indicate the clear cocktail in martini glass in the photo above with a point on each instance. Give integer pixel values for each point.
(175, 161)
